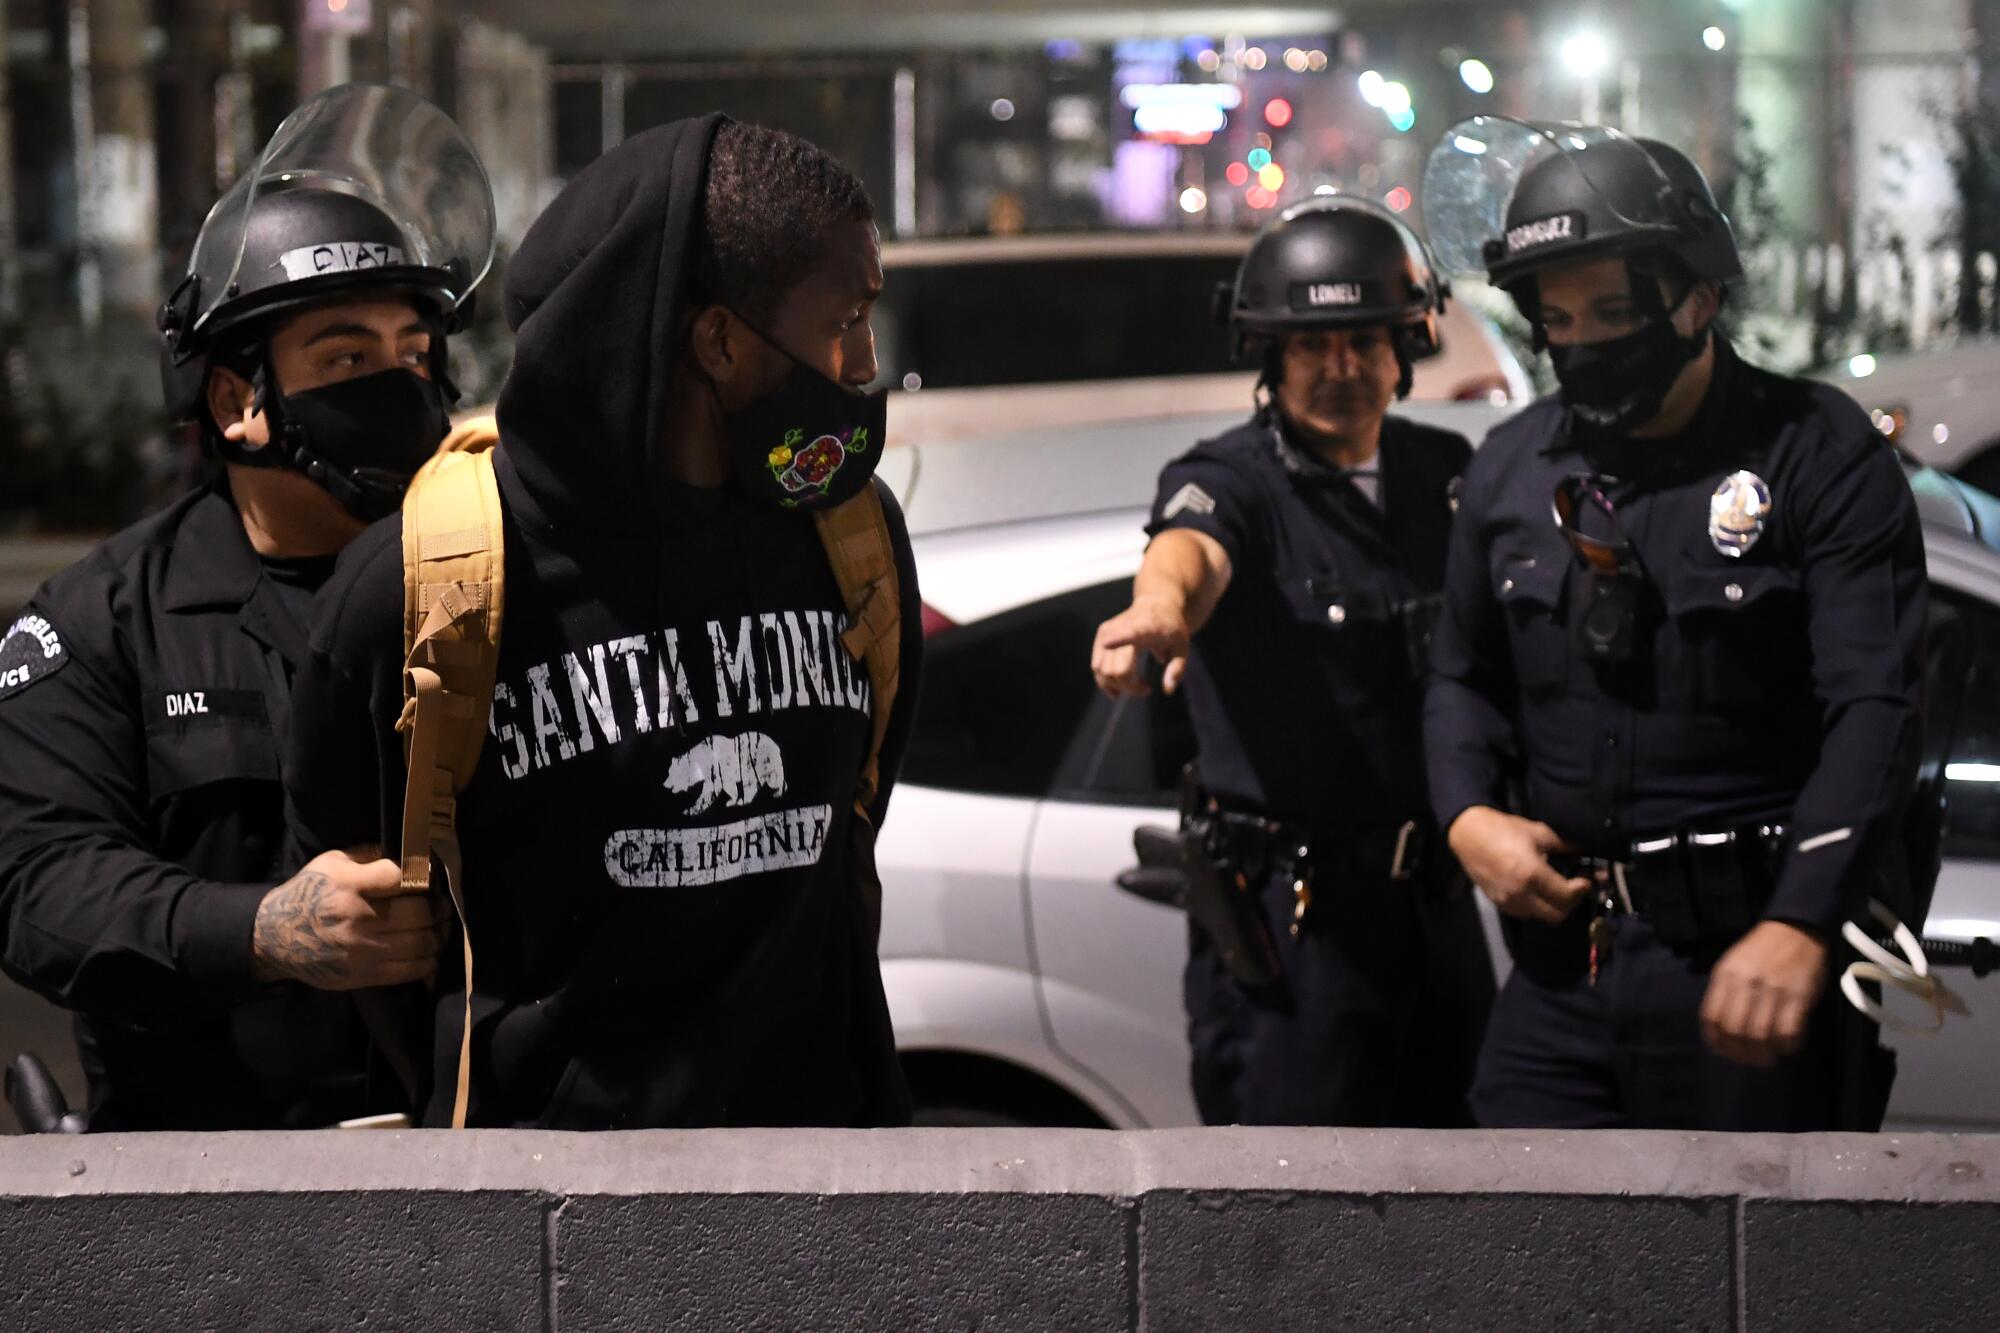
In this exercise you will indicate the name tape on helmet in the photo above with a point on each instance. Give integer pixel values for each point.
(1544, 231)
(1319, 295)
(309, 261)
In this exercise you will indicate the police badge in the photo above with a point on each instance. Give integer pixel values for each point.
(1737, 512)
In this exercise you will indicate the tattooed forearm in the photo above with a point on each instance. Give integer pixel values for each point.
(291, 937)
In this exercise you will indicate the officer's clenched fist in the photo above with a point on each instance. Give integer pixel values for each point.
(340, 924)
(1156, 625)
(1508, 858)
(1762, 993)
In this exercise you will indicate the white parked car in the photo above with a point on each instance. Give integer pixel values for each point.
(1026, 986)
(1047, 332)
(1942, 407)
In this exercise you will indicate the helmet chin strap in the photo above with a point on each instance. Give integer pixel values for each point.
(356, 489)
(289, 446)
(1265, 394)
(1645, 292)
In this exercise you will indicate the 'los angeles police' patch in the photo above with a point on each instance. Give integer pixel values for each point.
(29, 652)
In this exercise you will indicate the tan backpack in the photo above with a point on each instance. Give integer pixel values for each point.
(454, 600)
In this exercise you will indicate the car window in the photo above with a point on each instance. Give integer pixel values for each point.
(1129, 752)
(1050, 321)
(1962, 720)
(1003, 698)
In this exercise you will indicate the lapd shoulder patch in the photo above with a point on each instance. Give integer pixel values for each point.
(1190, 499)
(30, 651)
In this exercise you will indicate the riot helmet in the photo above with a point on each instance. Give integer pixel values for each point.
(1709, 246)
(1330, 263)
(366, 190)
(1509, 201)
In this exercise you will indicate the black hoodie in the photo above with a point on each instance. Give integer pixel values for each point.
(665, 928)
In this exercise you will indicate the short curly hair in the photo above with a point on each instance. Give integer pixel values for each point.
(768, 203)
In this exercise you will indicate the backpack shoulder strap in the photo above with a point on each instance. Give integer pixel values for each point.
(454, 563)
(453, 586)
(856, 536)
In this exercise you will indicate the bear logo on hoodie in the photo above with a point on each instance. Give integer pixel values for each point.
(733, 769)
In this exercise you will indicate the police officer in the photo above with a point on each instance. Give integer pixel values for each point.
(147, 689)
(1683, 624)
(1336, 973)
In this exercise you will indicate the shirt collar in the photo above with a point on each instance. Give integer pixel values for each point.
(212, 562)
(1306, 468)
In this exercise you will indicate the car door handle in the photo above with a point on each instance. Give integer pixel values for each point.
(1158, 878)
(1164, 885)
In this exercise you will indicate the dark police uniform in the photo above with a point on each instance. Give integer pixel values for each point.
(1305, 704)
(1772, 696)
(141, 823)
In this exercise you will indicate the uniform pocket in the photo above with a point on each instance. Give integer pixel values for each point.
(1530, 589)
(183, 754)
(1743, 630)
(1356, 623)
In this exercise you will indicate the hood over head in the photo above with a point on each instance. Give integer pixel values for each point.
(596, 297)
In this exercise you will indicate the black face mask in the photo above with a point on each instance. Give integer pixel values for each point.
(810, 443)
(363, 439)
(1615, 386)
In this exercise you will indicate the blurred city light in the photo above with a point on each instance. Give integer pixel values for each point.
(1371, 84)
(1327, 189)
(1398, 199)
(1225, 95)
(1193, 199)
(1278, 112)
(1259, 197)
(1180, 120)
(1585, 54)
(1861, 365)
(1252, 57)
(1237, 174)
(1259, 158)
(1403, 120)
(1714, 38)
(1476, 75)
(1295, 60)
(1272, 177)
(1002, 109)
(1210, 61)
(1395, 97)
(1315, 61)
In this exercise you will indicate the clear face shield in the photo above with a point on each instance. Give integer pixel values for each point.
(1585, 184)
(385, 146)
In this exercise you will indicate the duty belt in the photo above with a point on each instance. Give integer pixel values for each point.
(1397, 851)
(1698, 891)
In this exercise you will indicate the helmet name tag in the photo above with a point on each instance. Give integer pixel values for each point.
(310, 261)
(1543, 231)
(1333, 293)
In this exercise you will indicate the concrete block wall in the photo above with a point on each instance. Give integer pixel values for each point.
(1253, 1229)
